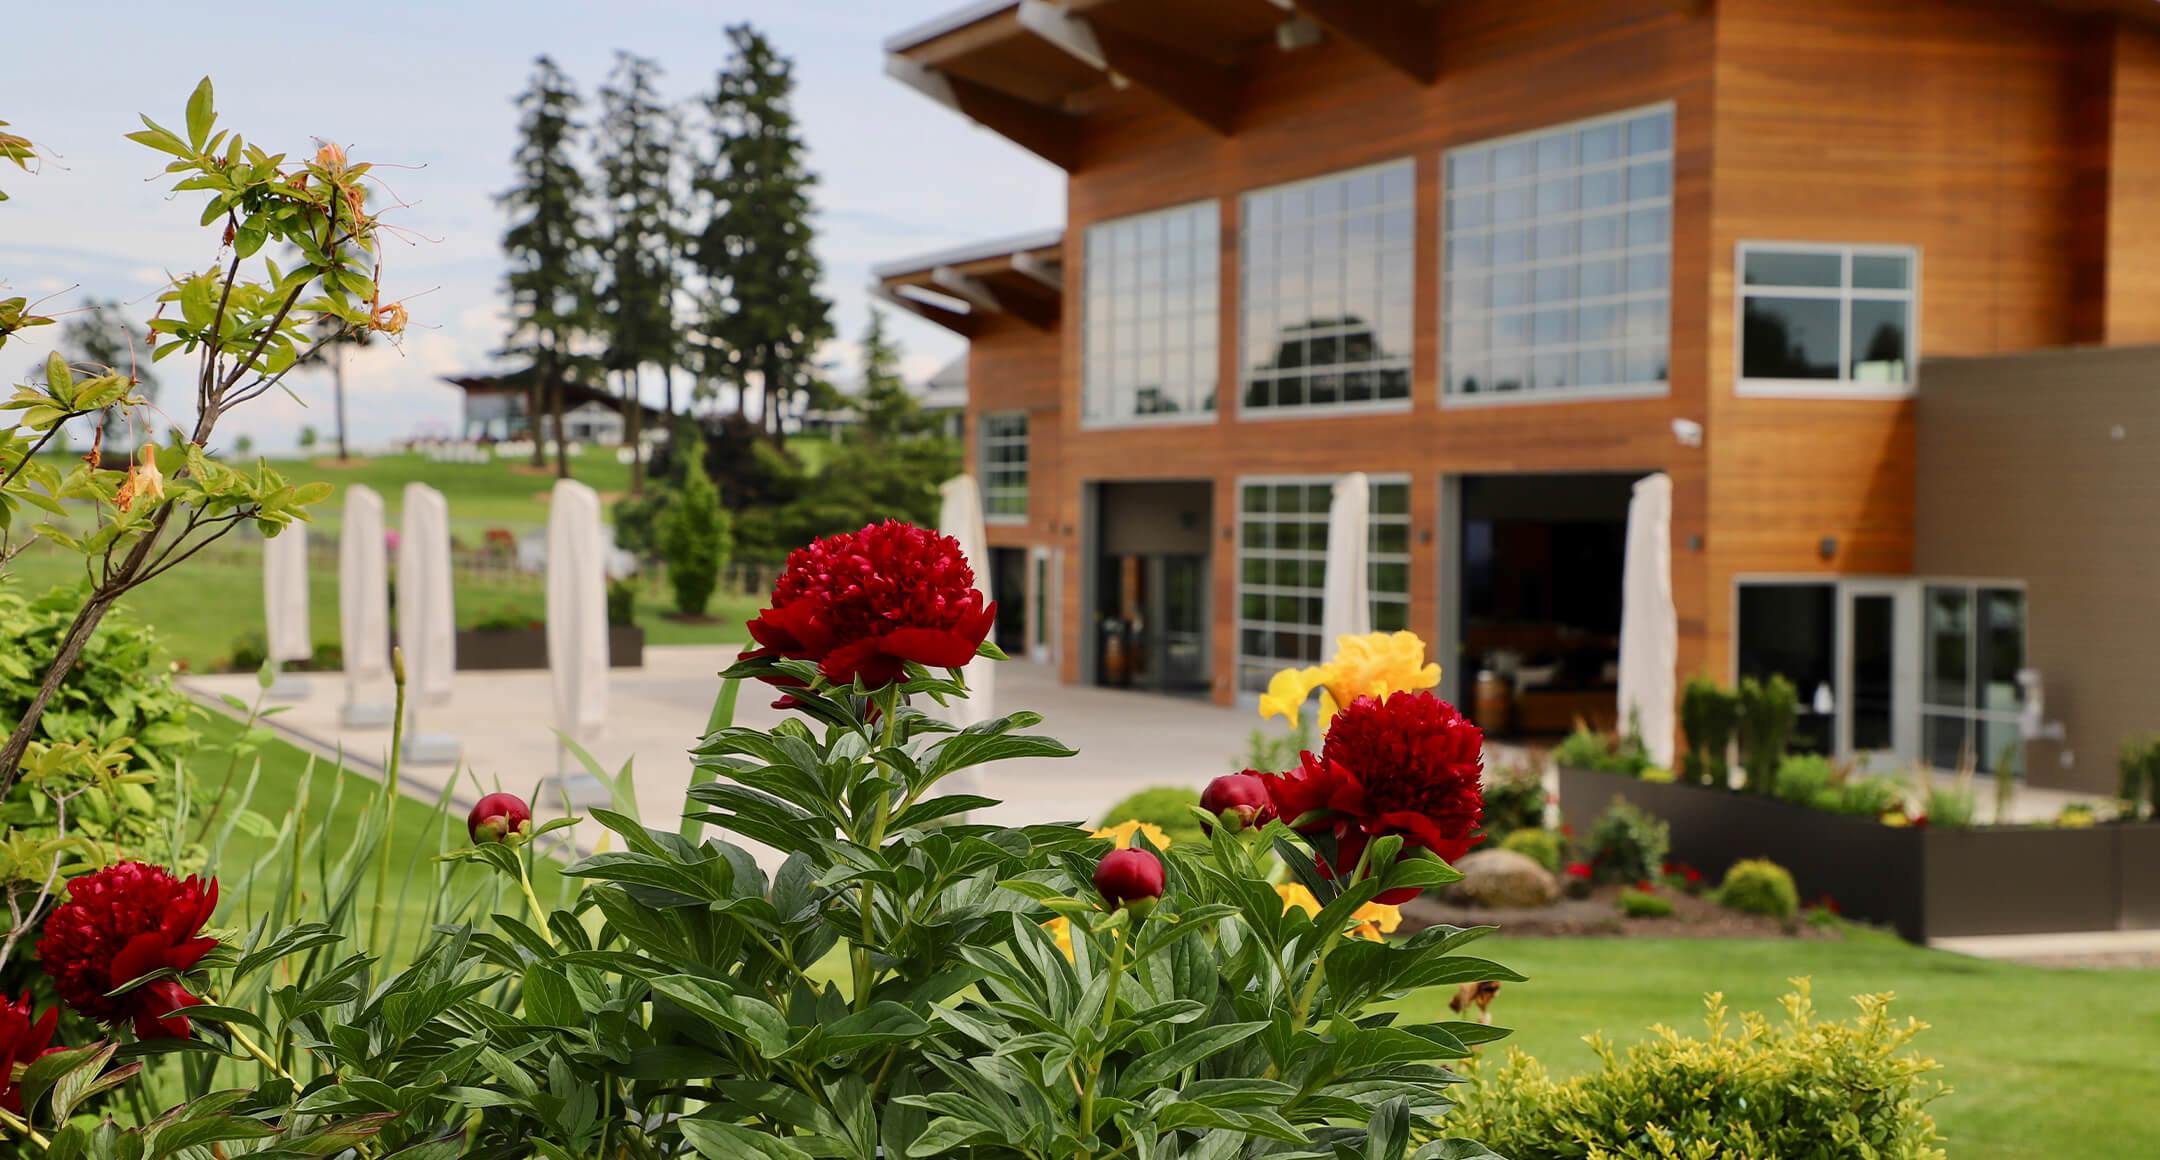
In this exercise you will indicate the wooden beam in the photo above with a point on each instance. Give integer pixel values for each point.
(1195, 86)
(963, 325)
(1038, 271)
(981, 295)
(1050, 134)
(1401, 32)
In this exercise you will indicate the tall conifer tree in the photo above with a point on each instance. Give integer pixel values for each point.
(549, 247)
(763, 317)
(636, 146)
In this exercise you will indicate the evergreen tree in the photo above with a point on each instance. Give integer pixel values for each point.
(550, 279)
(887, 408)
(763, 317)
(636, 148)
(693, 534)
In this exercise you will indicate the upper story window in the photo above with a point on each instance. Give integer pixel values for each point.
(1325, 310)
(1001, 442)
(1832, 320)
(1559, 261)
(1150, 317)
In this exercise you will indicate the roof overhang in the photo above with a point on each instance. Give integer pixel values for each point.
(1020, 277)
(1034, 71)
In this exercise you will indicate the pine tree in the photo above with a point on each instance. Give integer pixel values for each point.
(763, 317)
(550, 279)
(888, 410)
(636, 148)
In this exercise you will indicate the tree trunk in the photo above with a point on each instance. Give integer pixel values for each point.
(337, 380)
(633, 422)
(538, 408)
(667, 398)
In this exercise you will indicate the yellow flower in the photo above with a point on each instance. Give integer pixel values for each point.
(1374, 919)
(1123, 832)
(1060, 928)
(1377, 664)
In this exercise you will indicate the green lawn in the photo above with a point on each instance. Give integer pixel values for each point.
(501, 494)
(2052, 1063)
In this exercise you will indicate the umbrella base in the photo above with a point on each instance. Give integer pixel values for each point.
(576, 791)
(288, 687)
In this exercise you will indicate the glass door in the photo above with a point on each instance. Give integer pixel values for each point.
(1879, 671)
(1181, 613)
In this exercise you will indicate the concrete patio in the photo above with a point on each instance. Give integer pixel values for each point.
(505, 722)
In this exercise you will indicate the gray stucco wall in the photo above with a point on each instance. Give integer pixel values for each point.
(2045, 467)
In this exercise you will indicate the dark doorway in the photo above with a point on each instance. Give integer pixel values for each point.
(1008, 586)
(1542, 557)
(1790, 630)
(1151, 586)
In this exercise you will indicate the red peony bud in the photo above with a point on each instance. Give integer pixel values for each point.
(1240, 799)
(497, 817)
(1126, 876)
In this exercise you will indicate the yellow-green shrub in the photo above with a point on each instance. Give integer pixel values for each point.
(1169, 807)
(1546, 846)
(1644, 904)
(1798, 1089)
(1759, 886)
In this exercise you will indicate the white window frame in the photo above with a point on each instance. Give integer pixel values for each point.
(1842, 294)
(1239, 658)
(1976, 714)
(983, 443)
(1211, 246)
(1533, 397)
(1375, 405)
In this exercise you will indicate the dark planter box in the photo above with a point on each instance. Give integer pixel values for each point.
(1925, 883)
(526, 648)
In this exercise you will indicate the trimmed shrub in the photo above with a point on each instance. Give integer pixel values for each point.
(1546, 846)
(1586, 748)
(694, 540)
(1767, 710)
(1802, 778)
(1628, 845)
(1801, 1087)
(1707, 716)
(621, 604)
(1514, 800)
(1169, 807)
(1759, 886)
(2139, 765)
(1870, 797)
(1644, 904)
(1952, 808)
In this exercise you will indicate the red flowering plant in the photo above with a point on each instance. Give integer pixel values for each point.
(119, 948)
(867, 610)
(1406, 766)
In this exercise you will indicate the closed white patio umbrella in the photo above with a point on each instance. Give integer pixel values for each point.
(577, 630)
(960, 515)
(364, 606)
(286, 631)
(1649, 628)
(1346, 597)
(427, 619)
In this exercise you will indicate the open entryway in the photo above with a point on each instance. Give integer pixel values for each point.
(1150, 580)
(1537, 586)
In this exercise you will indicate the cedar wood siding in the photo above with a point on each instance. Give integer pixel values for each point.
(1509, 68)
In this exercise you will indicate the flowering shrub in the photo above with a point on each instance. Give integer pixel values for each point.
(1628, 845)
(901, 984)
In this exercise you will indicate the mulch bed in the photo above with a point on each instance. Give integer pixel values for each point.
(1599, 916)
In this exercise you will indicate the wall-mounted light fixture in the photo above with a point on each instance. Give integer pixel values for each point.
(1688, 432)
(1694, 542)
(1827, 548)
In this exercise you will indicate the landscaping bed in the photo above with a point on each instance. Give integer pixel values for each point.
(1924, 882)
(1598, 915)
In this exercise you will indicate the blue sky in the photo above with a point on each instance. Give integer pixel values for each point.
(429, 86)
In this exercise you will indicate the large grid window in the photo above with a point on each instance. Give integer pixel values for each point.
(1282, 569)
(1002, 442)
(1151, 316)
(1826, 319)
(1325, 310)
(1559, 261)
(1974, 646)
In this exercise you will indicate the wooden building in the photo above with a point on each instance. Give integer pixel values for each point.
(1505, 257)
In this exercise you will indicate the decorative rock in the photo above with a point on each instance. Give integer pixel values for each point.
(1502, 879)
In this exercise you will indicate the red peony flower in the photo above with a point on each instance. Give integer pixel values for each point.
(1129, 875)
(863, 604)
(1242, 795)
(497, 816)
(119, 924)
(22, 1039)
(1407, 765)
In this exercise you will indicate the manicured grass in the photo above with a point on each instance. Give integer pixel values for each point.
(2055, 1063)
(503, 493)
